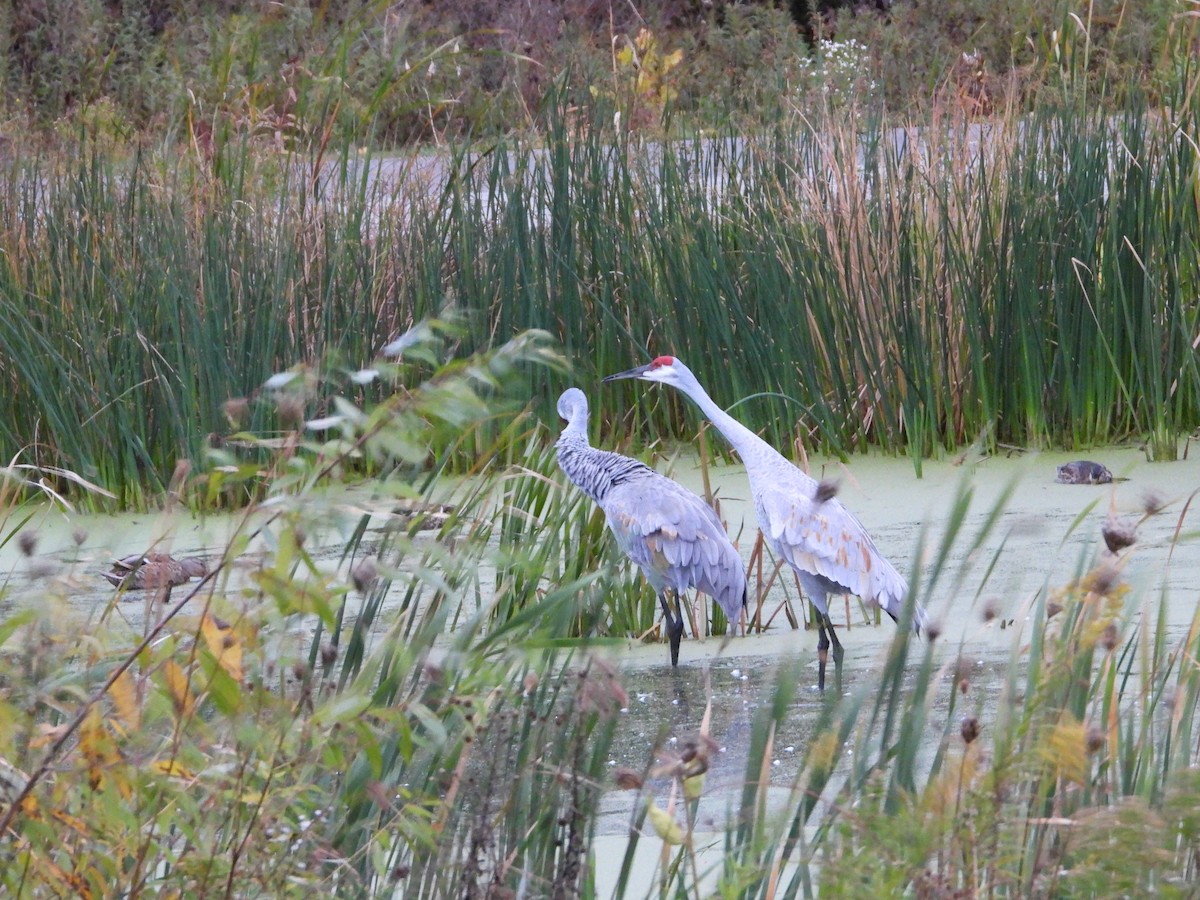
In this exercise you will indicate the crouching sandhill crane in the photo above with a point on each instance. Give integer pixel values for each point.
(821, 539)
(673, 536)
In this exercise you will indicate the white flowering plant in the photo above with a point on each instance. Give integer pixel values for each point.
(836, 76)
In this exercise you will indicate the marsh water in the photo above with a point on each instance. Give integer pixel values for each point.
(1046, 534)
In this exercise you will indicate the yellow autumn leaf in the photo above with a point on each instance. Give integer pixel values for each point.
(91, 746)
(225, 645)
(71, 884)
(172, 768)
(99, 752)
(693, 786)
(75, 824)
(125, 700)
(178, 687)
(664, 824)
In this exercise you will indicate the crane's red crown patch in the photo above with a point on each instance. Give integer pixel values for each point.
(662, 361)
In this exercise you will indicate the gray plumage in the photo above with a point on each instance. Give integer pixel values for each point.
(802, 523)
(673, 536)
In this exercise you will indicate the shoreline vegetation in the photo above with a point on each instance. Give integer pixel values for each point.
(206, 301)
(1026, 283)
(871, 271)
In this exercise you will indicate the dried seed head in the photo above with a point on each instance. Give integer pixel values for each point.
(1095, 739)
(962, 674)
(827, 489)
(79, 535)
(991, 608)
(364, 575)
(695, 755)
(970, 729)
(237, 410)
(1053, 609)
(300, 670)
(1153, 502)
(1118, 534)
(1110, 637)
(628, 780)
(933, 631)
(27, 542)
(1103, 579)
(328, 654)
(530, 682)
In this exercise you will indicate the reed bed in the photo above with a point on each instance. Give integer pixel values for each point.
(292, 732)
(1027, 281)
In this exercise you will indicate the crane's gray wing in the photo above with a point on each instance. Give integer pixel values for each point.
(827, 540)
(677, 540)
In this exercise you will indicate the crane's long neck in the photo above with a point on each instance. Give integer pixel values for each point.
(750, 447)
(595, 472)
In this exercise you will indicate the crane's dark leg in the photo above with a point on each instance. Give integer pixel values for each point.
(838, 653)
(825, 636)
(674, 626)
(822, 648)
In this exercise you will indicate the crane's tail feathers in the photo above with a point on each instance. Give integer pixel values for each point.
(733, 611)
(920, 618)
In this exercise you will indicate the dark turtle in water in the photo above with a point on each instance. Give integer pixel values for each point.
(1083, 471)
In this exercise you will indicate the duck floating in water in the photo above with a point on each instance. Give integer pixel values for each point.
(154, 570)
(1083, 471)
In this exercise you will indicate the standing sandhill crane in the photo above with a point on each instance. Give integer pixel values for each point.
(801, 522)
(674, 536)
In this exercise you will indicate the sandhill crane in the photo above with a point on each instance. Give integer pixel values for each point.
(809, 528)
(673, 535)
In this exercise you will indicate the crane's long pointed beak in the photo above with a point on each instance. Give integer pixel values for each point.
(631, 373)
